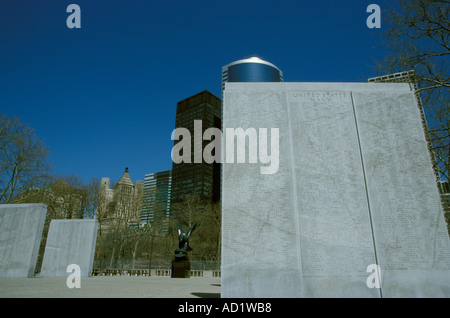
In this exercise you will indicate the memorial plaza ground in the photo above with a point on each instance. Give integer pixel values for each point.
(111, 287)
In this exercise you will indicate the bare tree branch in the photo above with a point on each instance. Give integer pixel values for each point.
(22, 159)
(418, 39)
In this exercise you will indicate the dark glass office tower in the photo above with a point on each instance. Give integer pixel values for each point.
(252, 69)
(201, 179)
(155, 207)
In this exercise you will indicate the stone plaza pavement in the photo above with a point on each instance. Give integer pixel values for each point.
(111, 287)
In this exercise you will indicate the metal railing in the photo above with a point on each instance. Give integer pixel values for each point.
(152, 272)
(126, 267)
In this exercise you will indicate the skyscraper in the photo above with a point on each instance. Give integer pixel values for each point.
(201, 179)
(252, 69)
(156, 199)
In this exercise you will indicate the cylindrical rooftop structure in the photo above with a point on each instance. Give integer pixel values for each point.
(252, 69)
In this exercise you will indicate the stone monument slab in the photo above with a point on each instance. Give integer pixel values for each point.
(409, 229)
(69, 242)
(21, 227)
(312, 228)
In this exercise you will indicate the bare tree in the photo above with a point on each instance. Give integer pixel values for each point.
(138, 234)
(188, 210)
(206, 239)
(155, 212)
(208, 236)
(68, 196)
(65, 197)
(22, 159)
(418, 39)
(124, 220)
(92, 190)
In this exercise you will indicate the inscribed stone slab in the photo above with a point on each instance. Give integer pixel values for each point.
(313, 228)
(335, 233)
(21, 227)
(263, 257)
(69, 242)
(411, 239)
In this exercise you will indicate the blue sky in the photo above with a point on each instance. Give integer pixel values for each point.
(104, 97)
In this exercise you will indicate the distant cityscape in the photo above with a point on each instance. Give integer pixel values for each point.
(160, 190)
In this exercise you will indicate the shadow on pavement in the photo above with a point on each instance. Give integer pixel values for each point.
(206, 295)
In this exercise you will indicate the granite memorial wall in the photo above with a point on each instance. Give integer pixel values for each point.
(354, 187)
(21, 227)
(69, 242)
